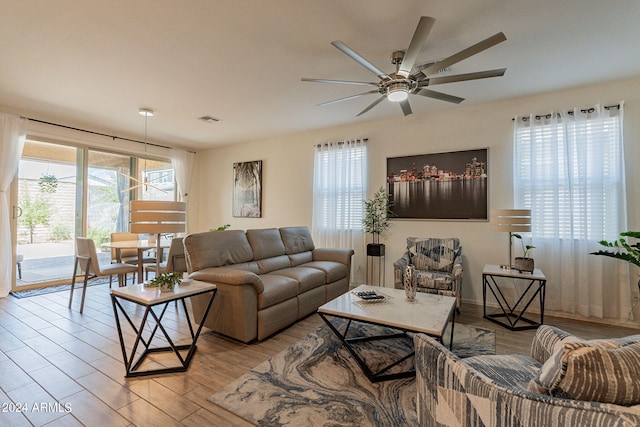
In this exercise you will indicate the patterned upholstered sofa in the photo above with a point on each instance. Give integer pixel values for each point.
(438, 264)
(570, 379)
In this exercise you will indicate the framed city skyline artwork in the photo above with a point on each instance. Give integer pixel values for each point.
(440, 186)
(247, 189)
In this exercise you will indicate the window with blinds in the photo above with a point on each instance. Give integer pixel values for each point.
(339, 186)
(570, 173)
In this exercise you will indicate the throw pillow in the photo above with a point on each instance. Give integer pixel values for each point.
(606, 371)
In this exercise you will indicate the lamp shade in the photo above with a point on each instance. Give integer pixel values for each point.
(155, 216)
(511, 220)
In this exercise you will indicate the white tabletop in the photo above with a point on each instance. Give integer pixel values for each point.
(496, 270)
(149, 296)
(428, 313)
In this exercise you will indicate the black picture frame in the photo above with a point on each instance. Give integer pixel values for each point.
(440, 186)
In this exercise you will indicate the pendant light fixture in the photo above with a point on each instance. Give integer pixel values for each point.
(146, 112)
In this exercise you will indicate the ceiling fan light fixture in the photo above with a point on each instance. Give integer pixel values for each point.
(397, 92)
(146, 112)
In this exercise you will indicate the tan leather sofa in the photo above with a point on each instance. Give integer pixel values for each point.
(267, 279)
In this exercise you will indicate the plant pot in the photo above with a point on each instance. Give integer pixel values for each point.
(523, 264)
(375, 249)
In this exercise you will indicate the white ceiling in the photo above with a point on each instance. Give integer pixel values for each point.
(94, 63)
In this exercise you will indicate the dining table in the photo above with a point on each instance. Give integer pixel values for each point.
(140, 246)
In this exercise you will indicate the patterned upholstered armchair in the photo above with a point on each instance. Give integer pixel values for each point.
(590, 383)
(438, 264)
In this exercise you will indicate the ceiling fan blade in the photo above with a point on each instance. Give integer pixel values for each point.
(347, 98)
(373, 104)
(438, 95)
(462, 77)
(342, 82)
(360, 59)
(419, 37)
(464, 54)
(406, 107)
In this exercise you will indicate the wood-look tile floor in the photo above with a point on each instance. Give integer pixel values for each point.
(62, 368)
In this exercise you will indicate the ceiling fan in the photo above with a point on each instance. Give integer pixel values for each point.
(410, 80)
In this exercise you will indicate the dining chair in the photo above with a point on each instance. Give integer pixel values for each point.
(175, 260)
(129, 256)
(87, 261)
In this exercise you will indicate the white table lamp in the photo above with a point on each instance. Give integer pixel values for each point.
(510, 221)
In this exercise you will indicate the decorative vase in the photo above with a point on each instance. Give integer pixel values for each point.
(410, 282)
(523, 264)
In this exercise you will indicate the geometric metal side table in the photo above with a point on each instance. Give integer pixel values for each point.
(510, 315)
(151, 298)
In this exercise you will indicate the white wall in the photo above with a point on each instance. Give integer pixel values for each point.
(288, 169)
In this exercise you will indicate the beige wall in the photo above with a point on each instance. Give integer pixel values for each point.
(288, 169)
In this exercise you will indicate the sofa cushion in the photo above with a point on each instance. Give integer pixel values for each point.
(272, 264)
(215, 249)
(296, 239)
(266, 243)
(301, 258)
(333, 270)
(606, 371)
(433, 253)
(511, 370)
(434, 280)
(276, 289)
(307, 278)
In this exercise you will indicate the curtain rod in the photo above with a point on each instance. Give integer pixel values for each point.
(340, 142)
(97, 133)
(570, 112)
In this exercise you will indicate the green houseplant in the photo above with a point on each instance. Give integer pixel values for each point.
(221, 228)
(624, 249)
(377, 212)
(166, 281)
(525, 262)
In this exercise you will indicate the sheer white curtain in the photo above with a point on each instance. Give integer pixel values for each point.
(339, 188)
(13, 131)
(182, 162)
(569, 170)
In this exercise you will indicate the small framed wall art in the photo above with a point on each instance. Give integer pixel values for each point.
(247, 189)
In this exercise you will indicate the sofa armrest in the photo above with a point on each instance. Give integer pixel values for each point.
(341, 255)
(451, 392)
(229, 276)
(545, 342)
(399, 266)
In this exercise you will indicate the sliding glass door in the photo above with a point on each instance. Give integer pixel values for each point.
(46, 212)
(107, 195)
(64, 192)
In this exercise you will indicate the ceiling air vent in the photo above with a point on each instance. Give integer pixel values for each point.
(208, 119)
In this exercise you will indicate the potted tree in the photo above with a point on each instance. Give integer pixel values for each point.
(377, 212)
(523, 263)
(625, 250)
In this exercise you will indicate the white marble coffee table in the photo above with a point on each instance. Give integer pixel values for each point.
(428, 314)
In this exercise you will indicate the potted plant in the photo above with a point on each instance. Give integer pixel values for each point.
(625, 250)
(166, 281)
(377, 212)
(221, 228)
(523, 263)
